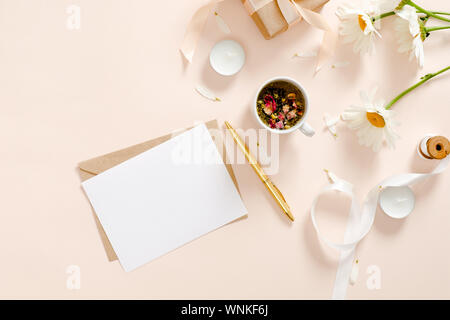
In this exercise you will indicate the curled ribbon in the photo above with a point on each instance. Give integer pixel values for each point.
(291, 11)
(195, 28)
(329, 37)
(360, 221)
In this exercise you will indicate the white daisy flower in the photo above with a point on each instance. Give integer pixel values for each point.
(357, 27)
(372, 121)
(409, 34)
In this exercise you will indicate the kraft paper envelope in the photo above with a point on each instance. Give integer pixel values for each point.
(92, 167)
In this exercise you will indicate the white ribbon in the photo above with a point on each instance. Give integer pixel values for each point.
(360, 221)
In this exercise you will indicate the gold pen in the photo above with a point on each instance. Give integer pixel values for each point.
(259, 171)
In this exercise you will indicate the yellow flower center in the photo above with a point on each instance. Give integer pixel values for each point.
(376, 119)
(362, 23)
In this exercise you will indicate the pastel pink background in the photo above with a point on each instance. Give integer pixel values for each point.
(67, 96)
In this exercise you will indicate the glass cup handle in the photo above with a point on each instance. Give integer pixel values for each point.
(306, 129)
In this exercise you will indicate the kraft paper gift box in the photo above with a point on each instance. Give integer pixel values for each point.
(92, 167)
(268, 17)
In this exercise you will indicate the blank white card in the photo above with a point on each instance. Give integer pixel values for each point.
(164, 197)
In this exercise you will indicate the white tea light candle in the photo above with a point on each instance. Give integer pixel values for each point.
(397, 202)
(227, 57)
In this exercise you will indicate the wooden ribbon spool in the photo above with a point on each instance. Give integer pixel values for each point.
(434, 147)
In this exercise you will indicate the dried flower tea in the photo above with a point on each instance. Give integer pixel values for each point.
(280, 105)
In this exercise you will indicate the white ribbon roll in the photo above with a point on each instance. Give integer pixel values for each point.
(360, 221)
(422, 149)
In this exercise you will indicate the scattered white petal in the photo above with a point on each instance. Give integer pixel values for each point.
(206, 93)
(340, 64)
(330, 123)
(331, 176)
(306, 54)
(222, 24)
(354, 273)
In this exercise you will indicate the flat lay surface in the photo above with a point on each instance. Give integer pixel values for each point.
(120, 79)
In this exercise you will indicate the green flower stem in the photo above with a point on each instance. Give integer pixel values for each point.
(391, 13)
(383, 15)
(429, 13)
(439, 12)
(436, 28)
(424, 79)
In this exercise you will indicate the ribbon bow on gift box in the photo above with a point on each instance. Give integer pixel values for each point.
(291, 10)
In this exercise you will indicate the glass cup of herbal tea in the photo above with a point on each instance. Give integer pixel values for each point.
(281, 106)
